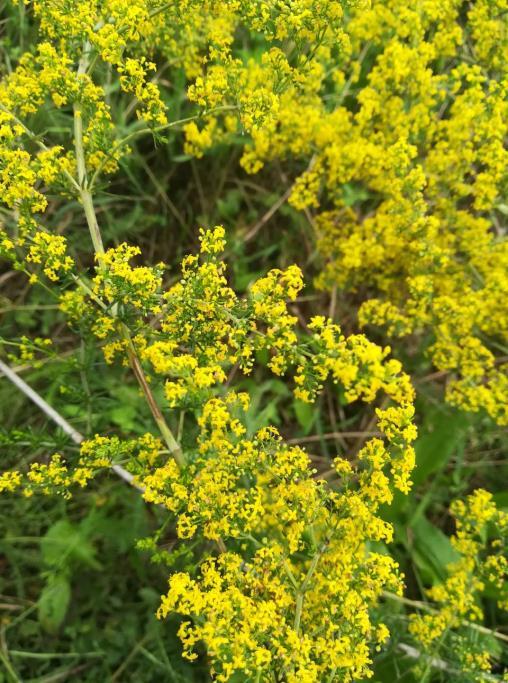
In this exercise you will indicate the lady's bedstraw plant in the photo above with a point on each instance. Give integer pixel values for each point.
(83, 43)
(283, 579)
(405, 140)
(284, 538)
(480, 540)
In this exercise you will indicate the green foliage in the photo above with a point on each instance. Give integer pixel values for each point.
(81, 580)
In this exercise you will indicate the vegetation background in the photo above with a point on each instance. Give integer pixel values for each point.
(77, 599)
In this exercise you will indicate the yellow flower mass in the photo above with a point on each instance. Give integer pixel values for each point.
(387, 121)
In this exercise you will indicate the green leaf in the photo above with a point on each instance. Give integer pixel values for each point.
(432, 551)
(267, 415)
(180, 158)
(442, 434)
(125, 416)
(305, 414)
(229, 205)
(354, 193)
(65, 544)
(53, 603)
(501, 499)
(392, 666)
(265, 398)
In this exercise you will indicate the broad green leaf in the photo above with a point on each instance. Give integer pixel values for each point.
(229, 205)
(125, 416)
(53, 603)
(305, 414)
(501, 499)
(432, 551)
(64, 544)
(353, 193)
(392, 666)
(269, 415)
(442, 434)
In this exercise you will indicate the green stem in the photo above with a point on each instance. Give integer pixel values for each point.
(84, 192)
(417, 604)
(298, 612)
(135, 363)
(9, 668)
(291, 576)
(95, 234)
(91, 219)
(81, 283)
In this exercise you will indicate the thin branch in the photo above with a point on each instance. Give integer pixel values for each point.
(313, 438)
(95, 234)
(437, 663)
(56, 417)
(253, 231)
(118, 144)
(84, 192)
(417, 604)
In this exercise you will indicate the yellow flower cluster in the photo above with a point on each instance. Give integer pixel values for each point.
(10, 481)
(57, 477)
(404, 136)
(221, 75)
(398, 114)
(59, 73)
(20, 172)
(206, 329)
(78, 42)
(112, 29)
(50, 250)
(248, 614)
(480, 540)
(120, 284)
(262, 610)
(285, 537)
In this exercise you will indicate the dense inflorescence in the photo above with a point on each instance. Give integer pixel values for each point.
(398, 116)
(480, 541)
(404, 137)
(286, 537)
